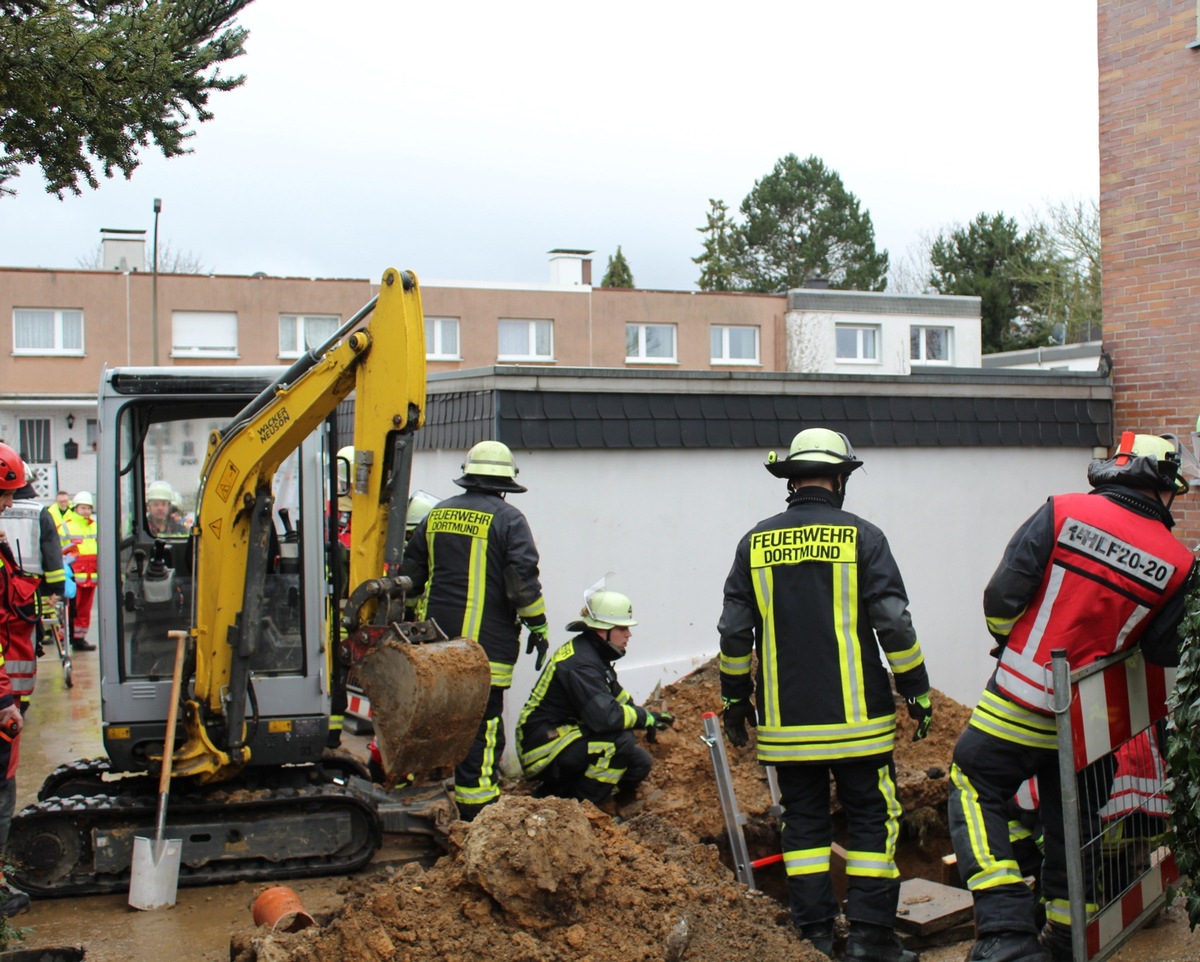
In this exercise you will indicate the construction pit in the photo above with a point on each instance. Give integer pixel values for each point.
(536, 880)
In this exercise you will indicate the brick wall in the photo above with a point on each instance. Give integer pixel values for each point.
(1150, 217)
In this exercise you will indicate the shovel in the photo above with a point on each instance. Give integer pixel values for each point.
(154, 875)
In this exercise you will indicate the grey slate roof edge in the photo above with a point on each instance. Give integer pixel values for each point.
(948, 381)
(870, 302)
(1055, 352)
(539, 420)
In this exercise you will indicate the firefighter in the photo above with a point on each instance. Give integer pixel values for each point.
(575, 735)
(81, 524)
(16, 595)
(815, 592)
(474, 558)
(1091, 573)
(31, 546)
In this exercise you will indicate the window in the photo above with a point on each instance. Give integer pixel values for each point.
(441, 338)
(930, 345)
(734, 345)
(47, 331)
(302, 332)
(91, 433)
(34, 440)
(650, 342)
(856, 343)
(526, 340)
(204, 334)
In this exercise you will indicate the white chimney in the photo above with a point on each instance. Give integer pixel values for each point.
(570, 268)
(122, 250)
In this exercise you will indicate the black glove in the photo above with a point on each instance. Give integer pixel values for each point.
(539, 638)
(738, 711)
(662, 719)
(920, 710)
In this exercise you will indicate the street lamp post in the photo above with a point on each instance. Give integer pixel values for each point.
(154, 284)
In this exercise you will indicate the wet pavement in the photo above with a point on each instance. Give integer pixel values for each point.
(63, 724)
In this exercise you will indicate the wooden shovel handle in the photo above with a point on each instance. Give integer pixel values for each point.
(164, 779)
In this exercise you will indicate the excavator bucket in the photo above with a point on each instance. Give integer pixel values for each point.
(427, 701)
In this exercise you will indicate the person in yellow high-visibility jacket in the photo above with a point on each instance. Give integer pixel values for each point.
(81, 526)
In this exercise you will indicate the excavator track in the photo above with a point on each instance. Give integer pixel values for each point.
(83, 845)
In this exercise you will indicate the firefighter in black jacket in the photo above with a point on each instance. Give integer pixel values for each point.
(575, 735)
(474, 558)
(1092, 574)
(815, 592)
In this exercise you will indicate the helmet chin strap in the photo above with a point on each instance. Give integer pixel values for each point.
(606, 633)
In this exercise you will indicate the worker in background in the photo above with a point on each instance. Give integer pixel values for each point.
(474, 558)
(30, 545)
(60, 508)
(1060, 584)
(816, 591)
(420, 503)
(16, 594)
(159, 523)
(575, 735)
(81, 524)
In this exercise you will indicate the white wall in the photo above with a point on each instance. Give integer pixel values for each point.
(812, 341)
(668, 523)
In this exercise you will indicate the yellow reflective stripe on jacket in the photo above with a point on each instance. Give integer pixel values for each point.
(502, 674)
(1011, 722)
(807, 861)
(907, 660)
(533, 609)
(816, 743)
(768, 694)
(992, 871)
(735, 666)
(1003, 626)
(472, 626)
(845, 622)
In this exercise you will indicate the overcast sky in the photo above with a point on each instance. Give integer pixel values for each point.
(465, 140)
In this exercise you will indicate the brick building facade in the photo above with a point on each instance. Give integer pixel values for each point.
(1149, 73)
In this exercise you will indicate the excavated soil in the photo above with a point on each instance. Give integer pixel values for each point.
(553, 880)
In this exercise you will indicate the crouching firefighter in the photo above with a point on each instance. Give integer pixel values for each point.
(575, 736)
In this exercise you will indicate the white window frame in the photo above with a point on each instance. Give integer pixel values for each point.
(59, 318)
(640, 356)
(302, 339)
(860, 357)
(204, 334)
(722, 356)
(437, 331)
(533, 328)
(920, 331)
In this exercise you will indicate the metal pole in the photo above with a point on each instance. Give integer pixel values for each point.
(729, 807)
(154, 285)
(1076, 892)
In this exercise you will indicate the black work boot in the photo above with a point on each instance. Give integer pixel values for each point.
(875, 943)
(1007, 947)
(1056, 940)
(820, 934)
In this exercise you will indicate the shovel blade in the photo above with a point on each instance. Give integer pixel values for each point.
(154, 872)
(427, 701)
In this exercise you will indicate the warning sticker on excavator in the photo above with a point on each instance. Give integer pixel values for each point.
(227, 480)
(215, 528)
(278, 725)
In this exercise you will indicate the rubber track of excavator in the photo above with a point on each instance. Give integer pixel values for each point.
(52, 849)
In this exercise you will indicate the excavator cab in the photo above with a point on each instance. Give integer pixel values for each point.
(146, 514)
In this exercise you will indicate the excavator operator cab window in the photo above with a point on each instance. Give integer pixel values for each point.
(158, 495)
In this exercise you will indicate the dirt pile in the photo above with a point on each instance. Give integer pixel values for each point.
(550, 880)
(681, 786)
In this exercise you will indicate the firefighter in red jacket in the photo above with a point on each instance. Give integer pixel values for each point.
(1091, 573)
(13, 596)
(815, 592)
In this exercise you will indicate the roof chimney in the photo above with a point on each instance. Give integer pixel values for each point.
(122, 250)
(570, 268)
(817, 283)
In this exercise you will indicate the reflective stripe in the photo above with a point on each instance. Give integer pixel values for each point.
(487, 789)
(871, 865)
(768, 695)
(1003, 626)
(533, 609)
(472, 626)
(1013, 723)
(907, 660)
(735, 666)
(598, 770)
(816, 743)
(807, 861)
(845, 626)
(502, 674)
(992, 871)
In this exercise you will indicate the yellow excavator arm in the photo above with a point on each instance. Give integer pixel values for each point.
(381, 359)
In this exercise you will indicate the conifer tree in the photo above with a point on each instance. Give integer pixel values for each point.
(618, 273)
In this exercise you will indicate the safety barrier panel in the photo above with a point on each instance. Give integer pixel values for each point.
(1111, 725)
